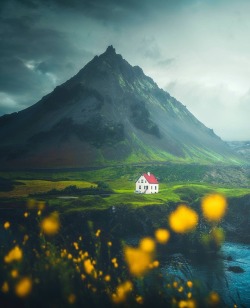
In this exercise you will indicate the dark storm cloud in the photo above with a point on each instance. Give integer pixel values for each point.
(37, 54)
(33, 59)
(107, 10)
(198, 47)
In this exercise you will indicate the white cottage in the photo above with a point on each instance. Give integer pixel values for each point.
(147, 184)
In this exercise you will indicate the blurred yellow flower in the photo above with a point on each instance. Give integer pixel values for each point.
(98, 232)
(71, 298)
(107, 278)
(214, 207)
(190, 303)
(6, 225)
(15, 254)
(156, 263)
(41, 205)
(25, 239)
(138, 260)
(189, 284)
(147, 244)
(162, 236)
(14, 273)
(31, 203)
(121, 292)
(139, 299)
(88, 266)
(213, 298)
(51, 224)
(183, 219)
(76, 245)
(114, 260)
(23, 287)
(5, 287)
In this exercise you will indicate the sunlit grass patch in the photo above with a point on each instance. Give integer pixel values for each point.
(29, 187)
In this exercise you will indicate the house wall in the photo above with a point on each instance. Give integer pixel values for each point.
(144, 187)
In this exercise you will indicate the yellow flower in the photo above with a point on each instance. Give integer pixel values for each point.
(162, 236)
(6, 225)
(15, 254)
(14, 273)
(147, 244)
(31, 203)
(41, 205)
(183, 219)
(214, 207)
(156, 263)
(25, 239)
(5, 287)
(71, 298)
(76, 245)
(23, 287)
(139, 299)
(50, 225)
(189, 284)
(88, 266)
(138, 260)
(98, 232)
(187, 304)
(107, 278)
(213, 298)
(122, 291)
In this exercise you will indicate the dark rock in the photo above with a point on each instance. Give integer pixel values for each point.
(236, 269)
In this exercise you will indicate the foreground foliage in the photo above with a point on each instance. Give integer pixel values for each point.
(45, 265)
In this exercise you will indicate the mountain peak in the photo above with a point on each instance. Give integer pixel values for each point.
(109, 112)
(110, 50)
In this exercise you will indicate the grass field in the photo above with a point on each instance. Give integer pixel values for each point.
(180, 183)
(24, 188)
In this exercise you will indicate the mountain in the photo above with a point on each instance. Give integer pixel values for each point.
(241, 147)
(110, 112)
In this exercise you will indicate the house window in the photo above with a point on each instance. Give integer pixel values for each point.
(155, 187)
(139, 186)
(141, 181)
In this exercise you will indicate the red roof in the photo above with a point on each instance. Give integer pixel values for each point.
(150, 178)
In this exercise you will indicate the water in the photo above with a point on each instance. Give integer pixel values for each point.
(239, 283)
(213, 273)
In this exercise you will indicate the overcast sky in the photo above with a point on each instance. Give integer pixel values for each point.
(198, 51)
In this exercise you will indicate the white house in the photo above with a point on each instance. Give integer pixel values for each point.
(147, 184)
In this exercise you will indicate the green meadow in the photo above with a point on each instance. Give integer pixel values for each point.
(178, 184)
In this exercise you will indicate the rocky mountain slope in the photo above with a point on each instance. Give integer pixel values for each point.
(110, 112)
(241, 147)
